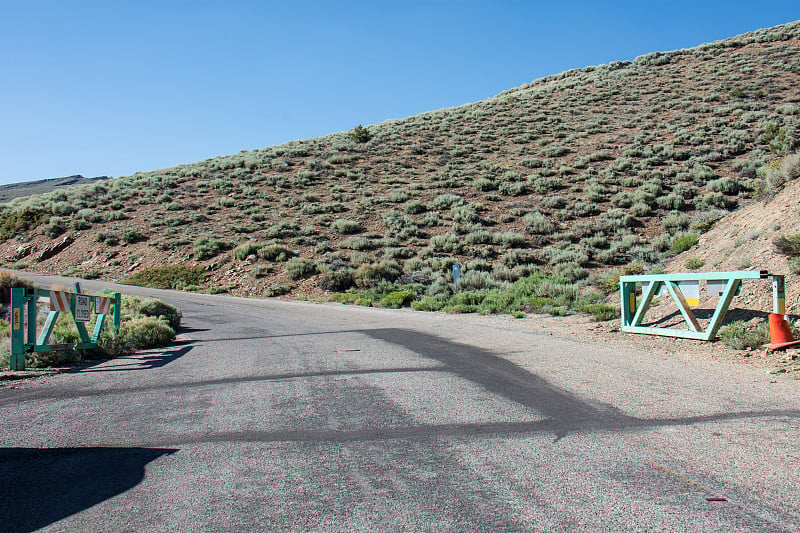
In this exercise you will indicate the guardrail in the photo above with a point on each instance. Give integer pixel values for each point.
(685, 292)
(24, 311)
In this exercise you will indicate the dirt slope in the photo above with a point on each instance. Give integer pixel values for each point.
(743, 240)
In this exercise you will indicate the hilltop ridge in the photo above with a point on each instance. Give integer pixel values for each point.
(23, 189)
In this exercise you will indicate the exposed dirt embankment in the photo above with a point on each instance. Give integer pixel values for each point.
(743, 240)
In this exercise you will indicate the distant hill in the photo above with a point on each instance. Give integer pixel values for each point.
(30, 188)
(579, 174)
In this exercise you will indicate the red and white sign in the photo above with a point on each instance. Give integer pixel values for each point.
(102, 305)
(59, 301)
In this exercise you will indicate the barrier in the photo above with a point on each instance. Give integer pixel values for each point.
(685, 292)
(23, 320)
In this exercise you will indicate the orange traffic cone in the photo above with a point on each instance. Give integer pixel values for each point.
(780, 334)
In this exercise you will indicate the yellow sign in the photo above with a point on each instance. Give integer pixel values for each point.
(16, 319)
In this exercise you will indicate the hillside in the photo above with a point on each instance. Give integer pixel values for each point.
(574, 174)
(30, 188)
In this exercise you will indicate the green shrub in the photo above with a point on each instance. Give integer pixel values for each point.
(138, 333)
(396, 299)
(693, 263)
(243, 251)
(178, 276)
(485, 184)
(152, 307)
(414, 207)
(336, 281)
(740, 336)
(601, 311)
(131, 236)
(476, 280)
(277, 289)
(300, 268)
(14, 222)
(776, 175)
(513, 188)
(259, 271)
(9, 281)
(55, 227)
(537, 223)
(447, 200)
(509, 238)
(207, 247)
(278, 253)
(370, 275)
(683, 241)
(346, 227)
(447, 242)
(110, 239)
(788, 245)
(357, 243)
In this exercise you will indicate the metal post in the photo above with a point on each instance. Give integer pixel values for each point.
(17, 360)
(117, 311)
(79, 326)
(627, 291)
(31, 298)
(778, 295)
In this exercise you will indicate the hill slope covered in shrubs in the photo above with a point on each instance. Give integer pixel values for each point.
(565, 179)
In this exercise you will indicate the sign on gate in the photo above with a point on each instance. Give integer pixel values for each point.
(83, 310)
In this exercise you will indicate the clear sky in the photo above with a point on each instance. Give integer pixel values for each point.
(110, 87)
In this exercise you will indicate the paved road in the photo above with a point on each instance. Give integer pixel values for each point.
(281, 416)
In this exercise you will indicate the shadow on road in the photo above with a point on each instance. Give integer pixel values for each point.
(143, 361)
(42, 486)
(565, 412)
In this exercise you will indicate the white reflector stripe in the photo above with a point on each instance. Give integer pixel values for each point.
(59, 301)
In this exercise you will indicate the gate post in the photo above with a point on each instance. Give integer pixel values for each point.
(117, 312)
(18, 319)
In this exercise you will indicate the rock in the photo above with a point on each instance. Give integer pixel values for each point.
(23, 250)
(56, 248)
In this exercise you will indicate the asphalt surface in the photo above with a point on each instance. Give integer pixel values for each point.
(292, 416)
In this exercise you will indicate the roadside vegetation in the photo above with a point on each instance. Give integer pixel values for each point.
(180, 277)
(145, 323)
(742, 336)
(540, 193)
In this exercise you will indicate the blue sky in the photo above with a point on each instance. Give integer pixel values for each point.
(113, 87)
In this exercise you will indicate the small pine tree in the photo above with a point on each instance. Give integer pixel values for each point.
(360, 134)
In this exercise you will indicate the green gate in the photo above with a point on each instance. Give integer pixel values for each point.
(726, 285)
(23, 320)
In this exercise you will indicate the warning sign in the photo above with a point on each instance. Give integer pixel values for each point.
(83, 309)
